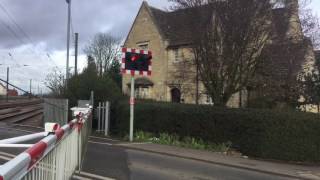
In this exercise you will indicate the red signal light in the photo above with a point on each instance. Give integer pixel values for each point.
(135, 57)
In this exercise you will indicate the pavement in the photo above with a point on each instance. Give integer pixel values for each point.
(276, 168)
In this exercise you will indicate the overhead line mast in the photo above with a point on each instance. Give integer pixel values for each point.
(68, 40)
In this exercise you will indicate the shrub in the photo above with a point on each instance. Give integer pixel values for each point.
(293, 136)
(175, 140)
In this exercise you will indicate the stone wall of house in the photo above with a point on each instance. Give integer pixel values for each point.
(182, 75)
(164, 64)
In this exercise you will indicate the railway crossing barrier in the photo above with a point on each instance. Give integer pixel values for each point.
(55, 157)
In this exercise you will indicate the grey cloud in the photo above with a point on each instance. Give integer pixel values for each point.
(45, 20)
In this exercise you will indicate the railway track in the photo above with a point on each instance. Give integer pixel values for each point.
(22, 112)
(19, 103)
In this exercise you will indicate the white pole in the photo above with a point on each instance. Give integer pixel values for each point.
(23, 138)
(106, 128)
(16, 145)
(99, 116)
(131, 108)
(66, 112)
(103, 116)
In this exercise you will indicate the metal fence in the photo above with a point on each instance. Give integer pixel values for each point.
(103, 114)
(56, 110)
(57, 156)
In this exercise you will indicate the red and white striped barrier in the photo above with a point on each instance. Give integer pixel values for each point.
(21, 165)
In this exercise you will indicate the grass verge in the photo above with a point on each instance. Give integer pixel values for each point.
(175, 140)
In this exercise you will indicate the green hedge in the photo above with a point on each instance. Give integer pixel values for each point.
(293, 136)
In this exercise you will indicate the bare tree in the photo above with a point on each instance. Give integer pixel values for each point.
(105, 49)
(55, 82)
(310, 23)
(227, 42)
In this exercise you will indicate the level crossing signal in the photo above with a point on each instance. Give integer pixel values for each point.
(136, 62)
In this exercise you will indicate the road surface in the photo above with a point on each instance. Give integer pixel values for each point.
(119, 163)
(104, 161)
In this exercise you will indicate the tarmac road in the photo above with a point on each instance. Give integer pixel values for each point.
(104, 161)
(120, 163)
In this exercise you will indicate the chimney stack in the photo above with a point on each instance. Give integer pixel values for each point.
(294, 27)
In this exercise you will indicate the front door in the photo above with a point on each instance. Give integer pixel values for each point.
(175, 95)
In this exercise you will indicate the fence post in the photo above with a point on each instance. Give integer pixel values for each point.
(92, 98)
(66, 112)
(103, 116)
(99, 116)
(107, 119)
(92, 104)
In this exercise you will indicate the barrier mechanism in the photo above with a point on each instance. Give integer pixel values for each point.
(57, 156)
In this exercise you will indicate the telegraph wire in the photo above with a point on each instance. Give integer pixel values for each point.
(18, 38)
(11, 18)
(15, 23)
(26, 36)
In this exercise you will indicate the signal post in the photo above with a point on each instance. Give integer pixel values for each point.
(135, 62)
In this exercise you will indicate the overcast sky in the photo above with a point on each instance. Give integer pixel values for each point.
(40, 39)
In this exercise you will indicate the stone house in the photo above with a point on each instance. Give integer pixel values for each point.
(166, 35)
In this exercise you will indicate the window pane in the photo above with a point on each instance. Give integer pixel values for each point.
(143, 46)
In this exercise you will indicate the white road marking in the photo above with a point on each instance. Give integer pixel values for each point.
(103, 138)
(93, 142)
(120, 144)
(94, 176)
(80, 178)
(125, 144)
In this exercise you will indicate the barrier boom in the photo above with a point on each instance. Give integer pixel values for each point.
(54, 157)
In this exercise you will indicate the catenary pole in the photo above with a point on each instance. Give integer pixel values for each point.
(7, 94)
(30, 87)
(68, 40)
(76, 54)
